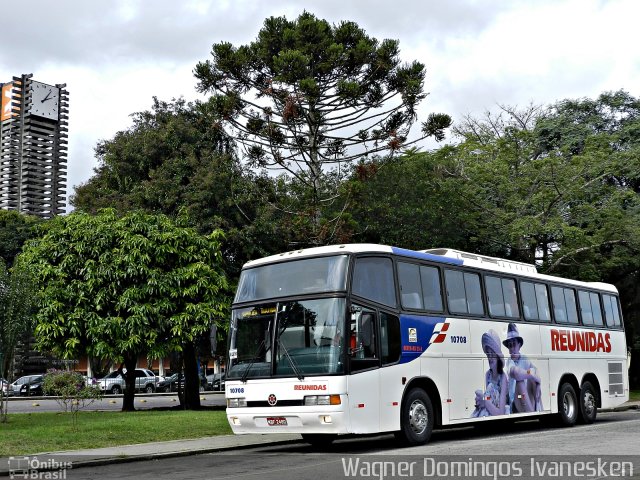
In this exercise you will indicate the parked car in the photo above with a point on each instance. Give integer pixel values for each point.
(14, 388)
(4, 386)
(146, 381)
(176, 382)
(33, 387)
(172, 383)
(215, 382)
(112, 383)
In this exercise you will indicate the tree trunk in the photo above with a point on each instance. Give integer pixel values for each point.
(130, 381)
(176, 367)
(192, 380)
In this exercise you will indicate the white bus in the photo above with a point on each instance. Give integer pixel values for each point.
(362, 338)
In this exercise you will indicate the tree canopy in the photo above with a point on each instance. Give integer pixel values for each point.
(172, 160)
(15, 229)
(306, 96)
(119, 287)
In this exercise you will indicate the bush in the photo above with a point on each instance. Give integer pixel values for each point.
(71, 391)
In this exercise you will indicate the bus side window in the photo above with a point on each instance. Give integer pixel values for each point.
(564, 305)
(373, 279)
(389, 338)
(611, 311)
(367, 338)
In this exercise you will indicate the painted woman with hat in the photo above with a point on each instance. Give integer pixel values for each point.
(524, 383)
(493, 401)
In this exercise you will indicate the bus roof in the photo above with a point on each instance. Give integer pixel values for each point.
(440, 255)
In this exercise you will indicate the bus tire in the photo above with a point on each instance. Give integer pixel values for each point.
(588, 403)
(567, 405)
(416, 418)
(319, 439)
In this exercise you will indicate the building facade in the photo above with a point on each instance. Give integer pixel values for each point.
(33, 146)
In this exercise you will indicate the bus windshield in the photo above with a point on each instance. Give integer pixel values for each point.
(311, 275)
(287, 339)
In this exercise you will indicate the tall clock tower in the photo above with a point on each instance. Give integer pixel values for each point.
(33, 146)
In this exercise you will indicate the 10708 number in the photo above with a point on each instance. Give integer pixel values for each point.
(458, 339)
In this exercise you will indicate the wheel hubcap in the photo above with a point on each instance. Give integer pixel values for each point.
(589, 403)
(568, 405)
(418, 417)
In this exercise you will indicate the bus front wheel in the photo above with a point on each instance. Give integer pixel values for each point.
(416, 418)
(567, 405)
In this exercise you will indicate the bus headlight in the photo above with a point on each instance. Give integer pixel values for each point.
(236, 402)
(322, 400)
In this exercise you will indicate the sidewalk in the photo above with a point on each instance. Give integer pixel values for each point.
(176, 448)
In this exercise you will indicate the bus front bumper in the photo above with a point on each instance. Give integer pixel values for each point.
(274, 420)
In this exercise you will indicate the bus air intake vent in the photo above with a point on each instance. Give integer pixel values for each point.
(616, 386)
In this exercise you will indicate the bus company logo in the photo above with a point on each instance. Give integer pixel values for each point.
(575, 341)
(272, 400)
(413, 335)
(310, 387)
(439, 332)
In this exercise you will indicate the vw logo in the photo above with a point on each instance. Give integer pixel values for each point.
(272, 400)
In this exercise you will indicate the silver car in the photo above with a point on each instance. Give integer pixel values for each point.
(146, 381)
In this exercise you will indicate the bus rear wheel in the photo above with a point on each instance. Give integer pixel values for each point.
(416, 418)
(567, 405)
(588, 403)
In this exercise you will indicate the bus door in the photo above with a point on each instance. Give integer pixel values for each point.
(364, 361)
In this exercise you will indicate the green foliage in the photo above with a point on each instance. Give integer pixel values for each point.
(111, 285)
(15, 229)
(298, 98)
(16, 309)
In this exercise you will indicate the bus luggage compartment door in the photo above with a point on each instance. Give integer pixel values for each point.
(465, 377)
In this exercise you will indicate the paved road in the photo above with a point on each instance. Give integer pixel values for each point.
(111, 402)
(615, 437)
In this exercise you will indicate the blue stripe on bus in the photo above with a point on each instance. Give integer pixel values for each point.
(426, 256)
(415, 334)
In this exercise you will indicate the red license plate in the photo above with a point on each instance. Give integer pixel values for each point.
(276, 421)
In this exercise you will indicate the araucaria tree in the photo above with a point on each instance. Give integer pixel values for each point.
(123, 287)
(306, 97)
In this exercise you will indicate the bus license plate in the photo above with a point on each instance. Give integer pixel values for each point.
(276, 421)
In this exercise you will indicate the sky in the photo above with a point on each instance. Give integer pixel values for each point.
(115, 55)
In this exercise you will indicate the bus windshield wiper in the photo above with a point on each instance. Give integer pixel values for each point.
(254, 357)
(294, 367)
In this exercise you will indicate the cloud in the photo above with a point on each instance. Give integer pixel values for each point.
(115, 55)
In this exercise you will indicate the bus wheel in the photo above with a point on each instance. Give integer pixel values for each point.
(588, 403)
(319, 439)
(567, 405)
(416, 418)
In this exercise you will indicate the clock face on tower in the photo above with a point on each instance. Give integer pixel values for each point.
(45, 100)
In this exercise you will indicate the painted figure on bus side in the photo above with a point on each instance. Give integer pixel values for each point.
(524, 383)
(493, 401)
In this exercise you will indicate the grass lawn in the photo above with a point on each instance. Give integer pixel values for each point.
(27, 433)
(634, 395)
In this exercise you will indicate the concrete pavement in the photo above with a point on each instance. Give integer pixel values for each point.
(150, 451)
